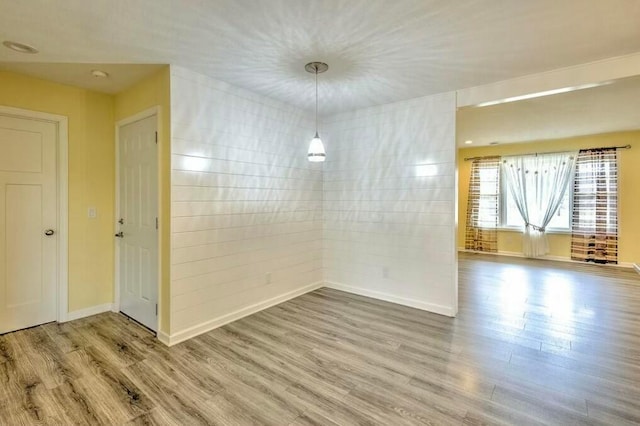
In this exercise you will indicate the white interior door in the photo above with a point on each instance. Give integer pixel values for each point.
(137, 221)
(28, 221)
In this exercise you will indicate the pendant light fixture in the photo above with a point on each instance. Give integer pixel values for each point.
(316, 148)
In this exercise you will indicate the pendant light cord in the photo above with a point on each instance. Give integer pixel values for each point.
(316, 67)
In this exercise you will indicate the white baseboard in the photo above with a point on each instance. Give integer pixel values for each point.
(196, 330)
(547, 257)
(87, 312)
(425, 306)
(164, 338)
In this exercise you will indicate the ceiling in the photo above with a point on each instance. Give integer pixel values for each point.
(608, 108)
(379, 51)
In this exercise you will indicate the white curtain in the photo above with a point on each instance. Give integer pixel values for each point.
(538, 184)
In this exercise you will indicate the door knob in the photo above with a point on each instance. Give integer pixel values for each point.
(120, 234)
(49, 232)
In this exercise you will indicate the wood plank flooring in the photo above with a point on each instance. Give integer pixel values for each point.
(535, 342)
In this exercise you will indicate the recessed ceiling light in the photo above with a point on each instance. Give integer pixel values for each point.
(99, 74)
(468, 142)
(19, 47)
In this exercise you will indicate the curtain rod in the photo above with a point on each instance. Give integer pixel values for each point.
(552, 152)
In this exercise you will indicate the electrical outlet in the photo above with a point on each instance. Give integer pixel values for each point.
(92, 213)
(267, 278)
(385, 272)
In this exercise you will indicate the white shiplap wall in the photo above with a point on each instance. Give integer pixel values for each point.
(245, 203)
(389, 202)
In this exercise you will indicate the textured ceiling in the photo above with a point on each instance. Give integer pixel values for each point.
(378, 51)
(609, 108)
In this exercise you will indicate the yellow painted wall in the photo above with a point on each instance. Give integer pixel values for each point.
(559, 244)
(150, 92)
(91, 177)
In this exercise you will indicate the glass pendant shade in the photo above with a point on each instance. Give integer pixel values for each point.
(316, 150)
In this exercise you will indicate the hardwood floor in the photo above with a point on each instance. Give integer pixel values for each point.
(534, 343)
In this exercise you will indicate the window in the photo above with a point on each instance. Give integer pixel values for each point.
(595, 200)
(510, 216)
(584, 197)
(491, 190)
(482, 205)
(596, 189)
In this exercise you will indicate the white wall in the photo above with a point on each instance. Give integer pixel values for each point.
(245, 203)
(389, 202)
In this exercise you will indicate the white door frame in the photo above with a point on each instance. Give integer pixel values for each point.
(137, 117)
(62, 184)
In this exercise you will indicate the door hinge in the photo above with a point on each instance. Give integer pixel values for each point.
(156, 137)
(156, 223)
(156, 309)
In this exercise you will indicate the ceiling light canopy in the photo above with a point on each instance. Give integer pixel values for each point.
(19, 47)
(316, 152)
